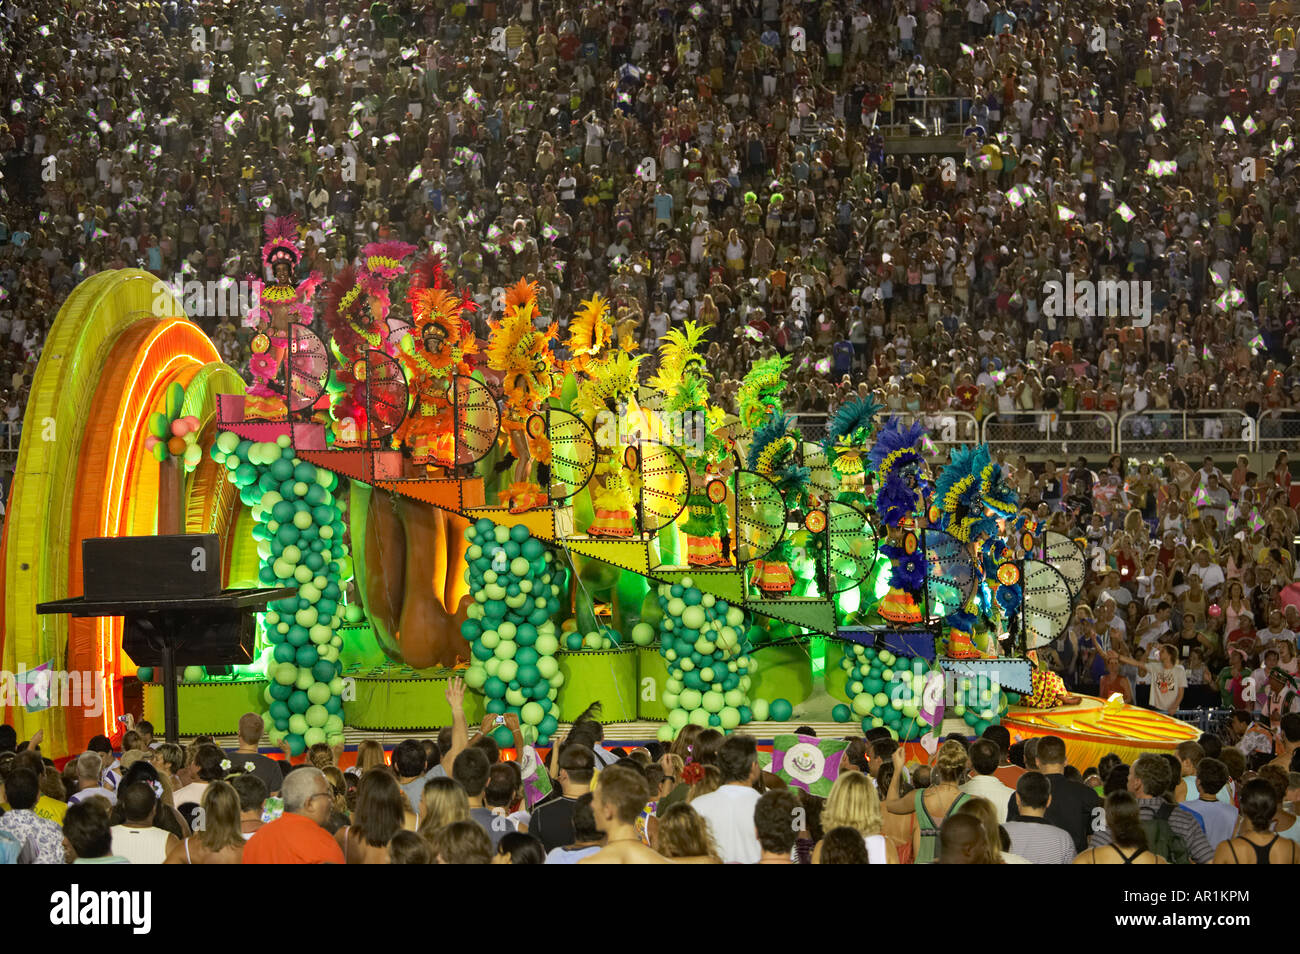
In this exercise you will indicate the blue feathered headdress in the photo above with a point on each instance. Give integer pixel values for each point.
(893, 442)
(971, 486)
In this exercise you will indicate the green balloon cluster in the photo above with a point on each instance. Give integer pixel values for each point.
(512, 638)
(976, 705)
(703, 640)
(602, 638)
(300, 538)
(885, 690)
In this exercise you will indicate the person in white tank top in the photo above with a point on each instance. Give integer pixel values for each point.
(137, 839)
(142, 846)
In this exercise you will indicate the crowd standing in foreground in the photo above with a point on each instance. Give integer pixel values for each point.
(704, 799)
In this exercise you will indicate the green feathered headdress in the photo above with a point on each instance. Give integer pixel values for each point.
(760, 392)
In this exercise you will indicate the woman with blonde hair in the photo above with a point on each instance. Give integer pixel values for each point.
(218, 841)
(853, 803)
(1136, 528)
(932, 804)
(683, 836)
(998, 840)
(369, 754)
(442, 803)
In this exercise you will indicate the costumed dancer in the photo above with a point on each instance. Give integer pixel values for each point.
(847, 439)
(439, 349)
(279, 304)
(773, 452)
(683, 377)
(356, 314)
(606, 401)
(903, 491)
(522, 354)
(971, 497)
(848, 436)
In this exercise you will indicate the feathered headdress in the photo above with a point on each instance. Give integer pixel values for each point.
(894, 445)
(385, 258)
(850, 430)
(901, 471)
(281, 242)
(679, 357)
(971, 493)
(607, 383)
(591, 333)
(772, 453)
(443, 334)
(760, 391)
(521, 353)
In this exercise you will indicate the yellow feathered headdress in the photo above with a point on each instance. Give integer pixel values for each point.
(522, 353)
(610, 380)
(679, 356)
(591, 333)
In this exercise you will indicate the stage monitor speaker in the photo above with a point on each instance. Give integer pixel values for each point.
(177, 566)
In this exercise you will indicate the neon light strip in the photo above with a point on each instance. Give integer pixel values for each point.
(126, 445)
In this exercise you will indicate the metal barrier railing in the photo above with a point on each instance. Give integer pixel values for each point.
(1072, 432)
(1278, 430)
(1157, 432)
(812, 426)
(926, 115)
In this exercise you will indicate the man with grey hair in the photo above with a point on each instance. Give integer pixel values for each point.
(1150, 778)
(90, 776)
(297, 837)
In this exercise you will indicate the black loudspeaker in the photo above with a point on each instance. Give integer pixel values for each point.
(224, 637)
(177, 566)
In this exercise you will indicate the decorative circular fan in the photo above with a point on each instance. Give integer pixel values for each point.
(665, 484)
(949, 575)
(477, 419)
(386, 394)
(1067, 556)
(1048, 603)
(573, 450)
(821, 482)
(760, 516)
(309, 367)
(851, 545)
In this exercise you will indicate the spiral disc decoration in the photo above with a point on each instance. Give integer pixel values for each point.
(760, 516)
(309, 367)
(1067, 556)
(478, 420)
(949, 575)
(386, 394)
(664, 486)
(573, 451)
(1048, 603)
(852, 545)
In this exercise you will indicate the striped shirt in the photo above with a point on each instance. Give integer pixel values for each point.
(1184, 824)
(1039, 841)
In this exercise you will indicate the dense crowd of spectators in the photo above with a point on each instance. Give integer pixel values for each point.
(514, 136)
(1198, 564)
